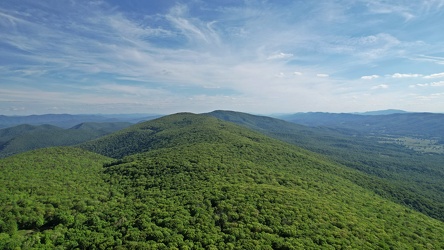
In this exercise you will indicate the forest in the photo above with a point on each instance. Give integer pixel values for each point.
(189, 181)
(394, 171)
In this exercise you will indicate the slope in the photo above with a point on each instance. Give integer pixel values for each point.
(245, 189)
(43, 191)
(167, 131)
(25, 137)
(399, 174)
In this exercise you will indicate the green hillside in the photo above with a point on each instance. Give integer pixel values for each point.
(44, 193)
(407, 177)
(196, 182)
(25, 137)
(167, 131)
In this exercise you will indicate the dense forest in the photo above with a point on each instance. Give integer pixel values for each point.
(410, 178)
(26, 137)
(189, 181)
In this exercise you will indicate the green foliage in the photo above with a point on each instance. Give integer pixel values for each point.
(195, 182)
(27, 137)
(40, 193)
(392, 171)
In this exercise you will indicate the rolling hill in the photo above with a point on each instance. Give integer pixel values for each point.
(190, 181)
(26, 137)
(400, 174)
(68, 120)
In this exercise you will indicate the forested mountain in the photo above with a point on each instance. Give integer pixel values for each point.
(26, 137)
(68, 121)
(422, 125)
(190, 181)
(400, 174)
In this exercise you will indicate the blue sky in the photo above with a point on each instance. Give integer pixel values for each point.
(264, 57)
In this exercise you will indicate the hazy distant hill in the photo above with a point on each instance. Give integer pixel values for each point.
(68, 121)
(191, 181)
(25, 137)
(423, 125)
(383, 112)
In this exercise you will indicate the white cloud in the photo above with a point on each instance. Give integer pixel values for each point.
(381, 7)
(322, 75)
(433, 59)
(437, 75)
(367, 48)
(370, 77)
(437, 84)
(422, 84)
(194, 29)
(153, 57)
(380, 86)
(279, 55)
(433, 84)
(399, 75)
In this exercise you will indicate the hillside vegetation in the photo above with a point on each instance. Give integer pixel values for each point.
(45, 194)
(400, 174)
(196, 182)
(26, 137)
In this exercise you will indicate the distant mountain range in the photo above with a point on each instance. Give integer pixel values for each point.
(422, 125)
(383, 112)
(26, 137)
(68, 121)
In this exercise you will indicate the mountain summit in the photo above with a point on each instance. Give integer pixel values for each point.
(188, 181)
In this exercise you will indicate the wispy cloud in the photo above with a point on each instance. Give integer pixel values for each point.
(369, 77)
(399, 75)
(432, 84)
(322, 75)
(279, 55)
(437, 75)
(380, 86)
(252, 55)
(383, 7)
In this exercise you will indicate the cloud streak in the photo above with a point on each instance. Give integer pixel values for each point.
(399, 75)
(370, 77)
(261, 56)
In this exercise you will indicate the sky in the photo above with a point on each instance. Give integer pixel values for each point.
(256, 56)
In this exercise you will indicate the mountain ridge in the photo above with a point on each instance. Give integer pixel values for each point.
(190, 181)
(26, 137)
(415, 174)
(70, 120)
(422, 125)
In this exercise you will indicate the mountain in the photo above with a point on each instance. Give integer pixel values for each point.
(26, 137)
(410, 178)
(188, 181)
(420, 125)
(383, 112)
(68, 121)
